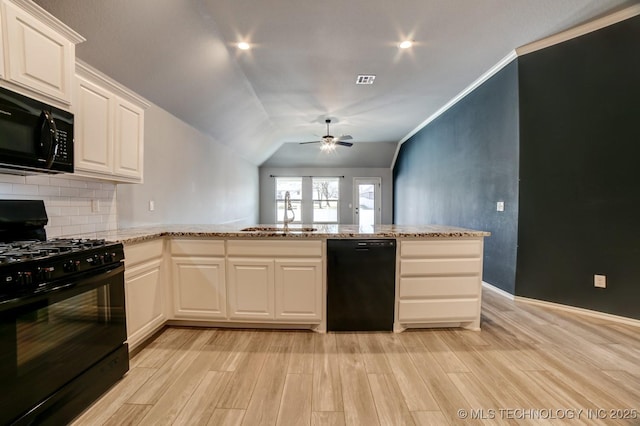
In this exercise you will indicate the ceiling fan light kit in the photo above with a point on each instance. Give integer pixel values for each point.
(329, 142)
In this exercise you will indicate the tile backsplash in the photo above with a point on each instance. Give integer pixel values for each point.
(73, 205)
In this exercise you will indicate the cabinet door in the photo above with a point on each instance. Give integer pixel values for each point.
(199, 290)
(144, 294)
(38, 57)
(129, 140)
(93, 109)
(298, 287)
(251, 287)
(1, 45)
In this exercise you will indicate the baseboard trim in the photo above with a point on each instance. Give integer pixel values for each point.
(567, 308)
(500, 291)
(582, 311)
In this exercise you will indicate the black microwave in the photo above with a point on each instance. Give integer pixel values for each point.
(34, 137)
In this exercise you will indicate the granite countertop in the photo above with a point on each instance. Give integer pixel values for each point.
(315, 231)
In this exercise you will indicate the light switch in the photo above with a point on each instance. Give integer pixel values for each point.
(500, 206)
(152, 205)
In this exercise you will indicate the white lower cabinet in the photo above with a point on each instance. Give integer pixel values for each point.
(251, 289)
(198, 279)
(273, 281)
(144, 290)
(298, 289)
(199, 290)
(440, 282)
(286, 288)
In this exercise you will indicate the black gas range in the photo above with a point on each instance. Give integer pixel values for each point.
(62, 318)
(33, 266)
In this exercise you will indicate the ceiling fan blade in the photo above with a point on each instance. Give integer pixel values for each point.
(344, 143)
(303, 143)
(345, 137)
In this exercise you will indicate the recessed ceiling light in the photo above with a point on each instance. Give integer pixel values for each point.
(243, 45)
(406, 44)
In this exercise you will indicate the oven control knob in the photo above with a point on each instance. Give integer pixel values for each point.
(71, 266)
(46, 273)
(95, 260)
(25, 278)
(108, 257)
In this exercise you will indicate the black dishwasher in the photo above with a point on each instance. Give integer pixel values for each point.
(360, 284)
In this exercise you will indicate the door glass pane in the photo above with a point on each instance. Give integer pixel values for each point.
(294, 186)
(366, 204)
(326, 199)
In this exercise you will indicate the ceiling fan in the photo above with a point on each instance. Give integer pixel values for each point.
(329, 142)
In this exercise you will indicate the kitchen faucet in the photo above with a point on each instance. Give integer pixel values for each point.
(287, 208)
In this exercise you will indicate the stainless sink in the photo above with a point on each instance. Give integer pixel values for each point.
(278, 229)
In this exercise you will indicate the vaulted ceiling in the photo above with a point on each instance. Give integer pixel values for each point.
(303, 62)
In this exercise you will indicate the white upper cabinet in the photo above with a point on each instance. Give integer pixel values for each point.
(93, 130)
(109, 128)
(129, 134)
(39, 51)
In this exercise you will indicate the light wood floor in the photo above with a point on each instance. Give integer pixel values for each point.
(526, 362)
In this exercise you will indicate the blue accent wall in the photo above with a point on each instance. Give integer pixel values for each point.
(455, 170)
(580, 171)
(556, 136)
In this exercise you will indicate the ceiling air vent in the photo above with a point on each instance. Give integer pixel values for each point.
(365, 79)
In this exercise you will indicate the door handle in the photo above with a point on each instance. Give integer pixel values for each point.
(49, 140)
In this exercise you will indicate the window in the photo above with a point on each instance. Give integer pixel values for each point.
(326, 196)
(314, 199)
(294, 186)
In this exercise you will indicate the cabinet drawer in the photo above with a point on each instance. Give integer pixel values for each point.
(441, 248)
(141, 252)
(439, 287)
(274, 248)
(197, 247)
(441, 310)
(409, 267)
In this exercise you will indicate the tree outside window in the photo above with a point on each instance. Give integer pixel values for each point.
(326, 198)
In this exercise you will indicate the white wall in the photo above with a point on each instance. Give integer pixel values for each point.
(191, 178)
(267, 189)
(68, 201)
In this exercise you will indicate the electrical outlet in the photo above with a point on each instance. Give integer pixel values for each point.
(500, 206)
(600, 281)
(152, 205)
(95, 206)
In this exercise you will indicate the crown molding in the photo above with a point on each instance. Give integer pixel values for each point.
(41, 14)
(580, 30)
(574, 32)
(473, 86)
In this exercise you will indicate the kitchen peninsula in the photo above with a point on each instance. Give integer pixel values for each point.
(272, 276)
